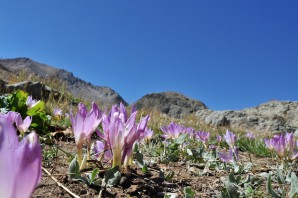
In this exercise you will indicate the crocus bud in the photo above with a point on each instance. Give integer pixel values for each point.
(230, 138)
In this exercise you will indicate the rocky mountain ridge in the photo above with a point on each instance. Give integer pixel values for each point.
(77, 87)
(273, 116)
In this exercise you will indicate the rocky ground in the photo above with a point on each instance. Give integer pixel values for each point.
(135, 183)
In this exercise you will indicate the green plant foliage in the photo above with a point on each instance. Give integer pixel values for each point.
(140, 160)
(270, 189)
(112, 177)
(17, 102)
(236, 187)
(256, 147)
(294, 186)
(188, 192)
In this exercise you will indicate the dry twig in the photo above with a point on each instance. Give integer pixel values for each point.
(59, 184)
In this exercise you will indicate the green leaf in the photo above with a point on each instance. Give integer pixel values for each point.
(189, 152)
(247, 168)
(280, 176)
(94, 175)
(39, 107)
(112, 177)
(145, 169)
(294, 186)
(181, 138)
(188, 192)
(270, 189)
(232, 190)
(169, 176)
(74, 169)
(17, 102)
(232, 179)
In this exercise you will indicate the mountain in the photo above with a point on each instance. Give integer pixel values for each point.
(170, 103)
(272, 116)
(79, 88)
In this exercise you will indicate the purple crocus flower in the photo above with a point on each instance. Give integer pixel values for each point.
(66, 115)
(284, 145)
(203, 136)
(228, 157)
(219, 138)
(250, 135)
(173, 130)
(147, 135)
(290, 142)
(22, 125)
(114, 128)
(83, 125)
(99, 148)
(57, 112)
(191, 131)
(132, 135)
(10, 116)
(30, 102)
(279, 145)
(269, 143)
(20, 166)
(230, 138)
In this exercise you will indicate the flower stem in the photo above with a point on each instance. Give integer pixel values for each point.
(116, 157)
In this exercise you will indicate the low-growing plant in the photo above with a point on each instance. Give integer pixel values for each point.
(20, 102)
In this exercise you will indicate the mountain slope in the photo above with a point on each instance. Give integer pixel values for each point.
(79, 88)
(170, 103)
(272, 116)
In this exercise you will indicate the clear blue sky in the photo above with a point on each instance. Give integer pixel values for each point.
(228, 54)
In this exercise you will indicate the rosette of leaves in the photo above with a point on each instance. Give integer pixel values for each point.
(235, 187)
(281, 179)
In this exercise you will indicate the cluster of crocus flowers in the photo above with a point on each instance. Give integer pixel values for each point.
(284, 145)
(84, 123)
(174, 130)
(232, 155)
(20, 164)
(120, 132)
(30, 102)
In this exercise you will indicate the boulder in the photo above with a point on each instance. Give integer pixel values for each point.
(36, 89)
(2, 87)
